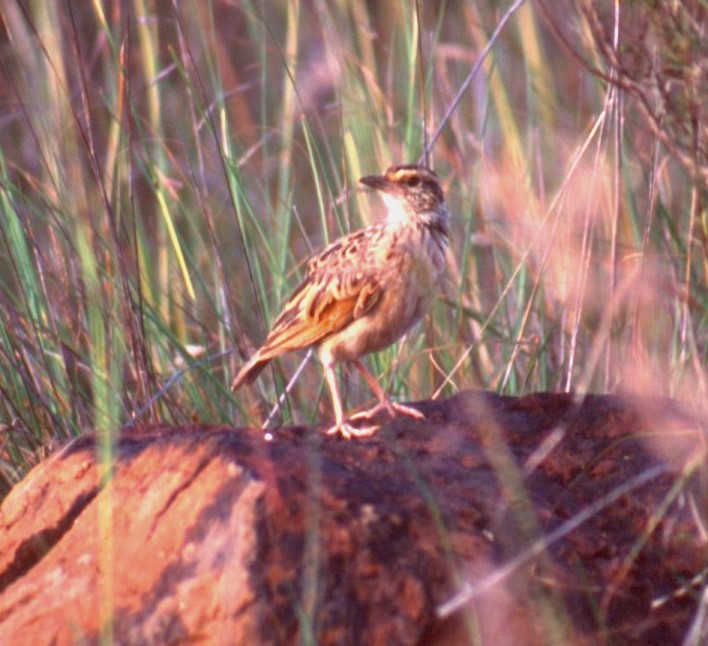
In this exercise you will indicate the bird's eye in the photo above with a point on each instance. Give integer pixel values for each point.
(413, 181)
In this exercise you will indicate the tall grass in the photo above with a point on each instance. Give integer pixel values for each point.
(166, 169)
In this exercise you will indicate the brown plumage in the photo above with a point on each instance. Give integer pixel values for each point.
(366, 289)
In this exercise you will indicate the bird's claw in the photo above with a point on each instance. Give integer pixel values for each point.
(350, 428)
(402, 409)
(392, 408)
(348, 431)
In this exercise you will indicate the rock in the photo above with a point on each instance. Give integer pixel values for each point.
(212, 534)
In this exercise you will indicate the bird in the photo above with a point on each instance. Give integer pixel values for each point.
(365, 290)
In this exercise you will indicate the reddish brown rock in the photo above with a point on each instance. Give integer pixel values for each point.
(214, 535)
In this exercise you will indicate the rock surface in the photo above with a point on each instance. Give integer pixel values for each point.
(212, 534)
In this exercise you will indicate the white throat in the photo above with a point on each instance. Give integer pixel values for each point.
(397, 209)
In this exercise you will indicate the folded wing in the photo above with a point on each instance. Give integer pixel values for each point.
(336, 290)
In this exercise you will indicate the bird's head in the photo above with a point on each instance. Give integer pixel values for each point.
(408, 190)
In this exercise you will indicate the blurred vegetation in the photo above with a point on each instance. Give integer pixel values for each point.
(166, 169)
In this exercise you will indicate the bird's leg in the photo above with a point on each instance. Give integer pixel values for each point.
(385, 401)
(340, 426)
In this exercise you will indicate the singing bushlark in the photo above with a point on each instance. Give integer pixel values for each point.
(365, 290)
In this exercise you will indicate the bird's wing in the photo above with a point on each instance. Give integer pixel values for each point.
(340, 286)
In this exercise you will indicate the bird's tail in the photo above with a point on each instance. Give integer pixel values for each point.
(250, 370)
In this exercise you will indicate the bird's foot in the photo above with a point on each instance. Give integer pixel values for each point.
(349, 431)
(392, 408)
(402, 409)
(365, 424)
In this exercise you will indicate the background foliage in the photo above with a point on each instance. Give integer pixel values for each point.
(166, 169)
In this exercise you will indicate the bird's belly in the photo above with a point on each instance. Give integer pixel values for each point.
(406, 298)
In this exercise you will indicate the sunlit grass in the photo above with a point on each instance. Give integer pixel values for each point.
(163, 185)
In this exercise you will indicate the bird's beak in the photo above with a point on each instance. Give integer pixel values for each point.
(379, 182)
